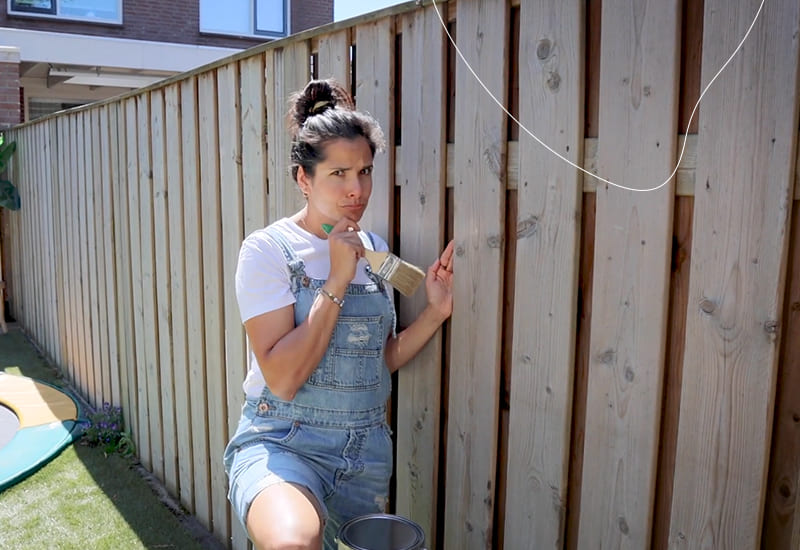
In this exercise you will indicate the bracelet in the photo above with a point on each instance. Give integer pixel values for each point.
(330, 295)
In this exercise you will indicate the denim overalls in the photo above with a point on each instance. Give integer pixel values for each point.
(332, 437)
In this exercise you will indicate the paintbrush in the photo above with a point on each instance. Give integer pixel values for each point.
(403, 276)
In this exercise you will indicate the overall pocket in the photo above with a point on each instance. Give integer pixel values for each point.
(354, 358)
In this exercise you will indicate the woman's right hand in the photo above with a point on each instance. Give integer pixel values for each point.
(345, 250)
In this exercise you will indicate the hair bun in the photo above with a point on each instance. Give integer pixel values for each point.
(316, 98)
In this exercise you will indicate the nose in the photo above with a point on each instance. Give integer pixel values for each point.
(354, 188)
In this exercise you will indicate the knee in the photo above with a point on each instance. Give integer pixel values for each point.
(287, 540)
(283, 517)
(290, 532)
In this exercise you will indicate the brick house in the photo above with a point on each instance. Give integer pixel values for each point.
(56, 54)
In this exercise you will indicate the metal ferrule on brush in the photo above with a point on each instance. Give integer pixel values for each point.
(388, 267)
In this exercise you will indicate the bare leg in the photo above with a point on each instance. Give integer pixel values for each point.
(285, 516)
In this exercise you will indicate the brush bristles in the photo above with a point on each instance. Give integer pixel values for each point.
(403, 276)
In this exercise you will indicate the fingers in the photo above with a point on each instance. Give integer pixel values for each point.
(345, 232)
(345, 225)
(446, 259)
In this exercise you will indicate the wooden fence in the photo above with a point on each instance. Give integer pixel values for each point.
(622, 369)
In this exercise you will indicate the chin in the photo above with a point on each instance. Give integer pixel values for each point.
(354, 214)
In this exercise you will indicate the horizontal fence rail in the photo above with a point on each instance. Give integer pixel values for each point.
(621, 369)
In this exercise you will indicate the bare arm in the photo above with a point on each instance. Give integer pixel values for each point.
(439, 288)
(287, 355)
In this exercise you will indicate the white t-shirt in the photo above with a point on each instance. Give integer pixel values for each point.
(263, 280)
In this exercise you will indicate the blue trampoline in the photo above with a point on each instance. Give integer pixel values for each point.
(37, 421)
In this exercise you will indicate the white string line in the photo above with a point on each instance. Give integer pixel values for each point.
(556, 153)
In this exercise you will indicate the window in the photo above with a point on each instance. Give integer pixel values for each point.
(245, 17)
(100, 11)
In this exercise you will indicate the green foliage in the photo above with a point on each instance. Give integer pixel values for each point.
(9, 196)
(6, 150)
(106, 430)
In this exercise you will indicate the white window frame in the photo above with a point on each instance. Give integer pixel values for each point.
(55, 13)
(254, 33)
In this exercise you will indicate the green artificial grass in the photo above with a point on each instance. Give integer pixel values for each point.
(83, 498)
(18, 356)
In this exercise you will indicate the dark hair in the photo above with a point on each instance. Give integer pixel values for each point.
(324, 111)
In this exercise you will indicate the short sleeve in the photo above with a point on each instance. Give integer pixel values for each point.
(262, 277)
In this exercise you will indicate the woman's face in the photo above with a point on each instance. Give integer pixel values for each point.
(342, 182)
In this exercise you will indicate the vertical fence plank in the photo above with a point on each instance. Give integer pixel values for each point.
(102, 248)
(254, 154)
(195, 315)
(375, 94)
(108, 229)
(230, 182)
(739, 254)
(333, 57)
(77, 176)
(36, 249)
(212, 292)
(84, 278)
(70, 204)
(581, 376)
(637, 144)
(60, 215)
(149, 363)
(162, 312)
(140, 377)
(122, 259)
(782, 511)
(82, 260)
(98, 364)
(54, 175)
(547, 252)
(673, 376)
(421, 160)
(47, 230)
(65, 206)
(254, 190)
(51, 302)
(177, 278)
(287, 71)
(479, 206)
(51, 157)
(30, 251)
(109, 183)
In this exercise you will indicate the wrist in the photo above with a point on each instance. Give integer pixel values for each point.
(327, 294)
(336, 286)
(435, 315)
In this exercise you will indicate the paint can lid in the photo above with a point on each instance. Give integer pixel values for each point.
(380, 532)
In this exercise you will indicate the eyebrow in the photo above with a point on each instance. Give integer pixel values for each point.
(335, 168)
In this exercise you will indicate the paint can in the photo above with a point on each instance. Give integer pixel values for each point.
(380, 532)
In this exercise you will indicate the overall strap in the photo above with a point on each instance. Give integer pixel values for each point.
(296, 265)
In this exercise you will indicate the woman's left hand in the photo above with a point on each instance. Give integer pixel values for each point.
(439, 283)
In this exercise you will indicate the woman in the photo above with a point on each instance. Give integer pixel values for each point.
(313, 449)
